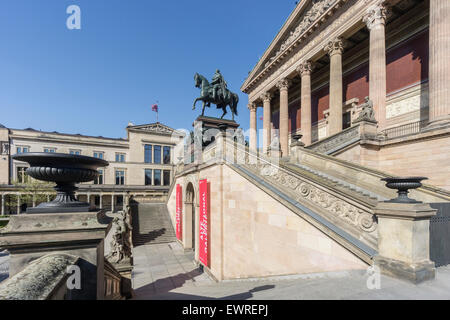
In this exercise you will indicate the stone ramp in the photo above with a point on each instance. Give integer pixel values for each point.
(151, 224)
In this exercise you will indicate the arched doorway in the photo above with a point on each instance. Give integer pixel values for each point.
(189, 219)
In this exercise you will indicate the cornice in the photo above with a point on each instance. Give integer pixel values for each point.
(253, 79)
(351, 15)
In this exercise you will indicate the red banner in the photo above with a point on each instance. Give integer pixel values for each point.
(178, 212)
(204, 223)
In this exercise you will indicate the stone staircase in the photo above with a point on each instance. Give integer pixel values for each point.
(151, 224)
(336, 196)
(362, 192)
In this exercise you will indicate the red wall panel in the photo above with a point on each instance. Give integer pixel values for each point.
(319, 103)
(356, 84)
(408, 63)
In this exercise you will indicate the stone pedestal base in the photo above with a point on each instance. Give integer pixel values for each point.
(414, 272)
(404, 240)
(29, 237)
(211, 127)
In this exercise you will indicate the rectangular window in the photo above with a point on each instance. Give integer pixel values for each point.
(50, 150)
(166, 177)
(120, 177)
(22, 177)
(157, 178)
(119, 200)
(75, 152)
(120, 157)
(99, 155)
(97, 200)
(99, 179)
(346, 120)
(166, 155)
(157, 157)
(148, 153)
(23, 149)
(148, 177)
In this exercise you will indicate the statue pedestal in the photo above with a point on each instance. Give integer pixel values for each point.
(210, 127)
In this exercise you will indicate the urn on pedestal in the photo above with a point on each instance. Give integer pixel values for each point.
(65, 170)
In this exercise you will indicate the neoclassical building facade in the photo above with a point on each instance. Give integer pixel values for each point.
(140, 165)
(332, 54)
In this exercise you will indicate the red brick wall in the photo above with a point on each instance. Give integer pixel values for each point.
(319, 103)
(407, 63)
(356, 83)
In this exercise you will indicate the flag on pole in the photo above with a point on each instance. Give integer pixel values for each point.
(155, 108)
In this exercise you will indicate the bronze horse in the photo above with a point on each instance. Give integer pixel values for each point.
(227, 98)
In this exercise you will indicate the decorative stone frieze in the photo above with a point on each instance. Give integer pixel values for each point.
(307, 193)
(317, 9)
(351, 13)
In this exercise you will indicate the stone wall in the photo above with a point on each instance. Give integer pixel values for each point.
(423, 154)
(253, 235)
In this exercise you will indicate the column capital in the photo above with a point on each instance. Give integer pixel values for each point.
(335, 46)
(305, 68)
(266, 96)
(252, 106)
(283, 84)
(376, 15)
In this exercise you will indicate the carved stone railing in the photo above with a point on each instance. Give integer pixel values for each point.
(337, 141)
(352, 216)
(43, 279)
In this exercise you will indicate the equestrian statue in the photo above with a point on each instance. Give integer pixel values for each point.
(216, 93)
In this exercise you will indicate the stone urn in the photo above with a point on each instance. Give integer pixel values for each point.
(402, 185)
(65, 170)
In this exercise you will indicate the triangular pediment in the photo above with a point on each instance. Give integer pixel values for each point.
(299, 23)
(156, 128)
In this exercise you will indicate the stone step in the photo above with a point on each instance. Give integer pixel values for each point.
(151, 225)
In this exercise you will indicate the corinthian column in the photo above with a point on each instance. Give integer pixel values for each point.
(305, 72)
(267, 123)
(375, 20)
(283, 85)
(253, 140)
(335, 48)
(439, 61)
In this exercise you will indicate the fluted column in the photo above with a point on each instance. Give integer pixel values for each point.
(375, 20)
(112, 203)
(101, 201)
(253, 135)
(439, 61)
(305, 72)
(335, 48)
(267, 120)
(283, 86)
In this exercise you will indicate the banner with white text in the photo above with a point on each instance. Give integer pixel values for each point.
(203, 223)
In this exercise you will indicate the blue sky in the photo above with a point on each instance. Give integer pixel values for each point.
(127, 55)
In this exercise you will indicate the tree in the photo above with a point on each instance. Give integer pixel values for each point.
(31, 192)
